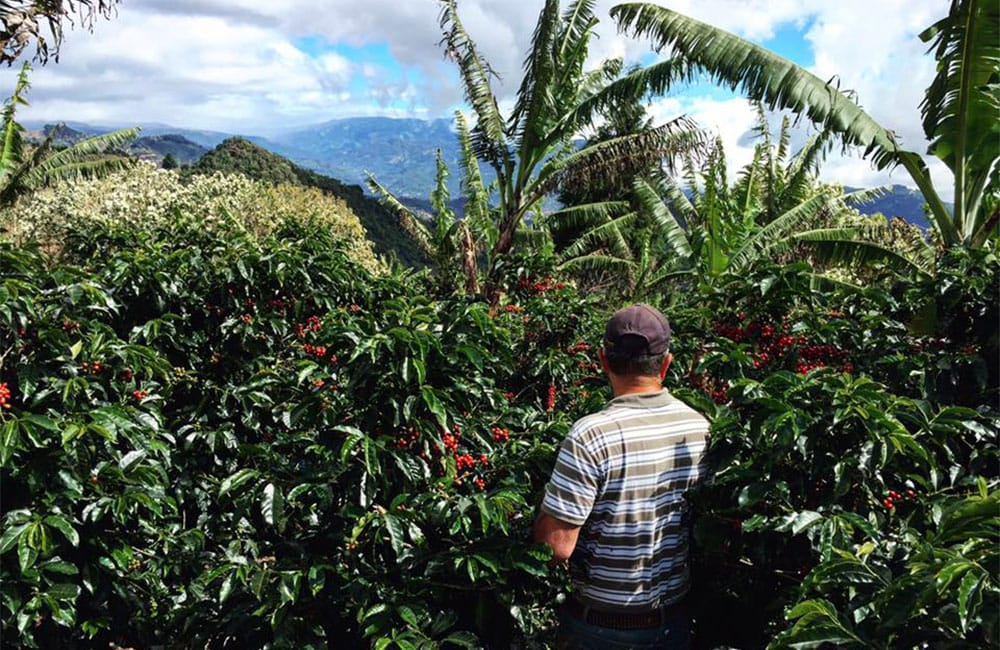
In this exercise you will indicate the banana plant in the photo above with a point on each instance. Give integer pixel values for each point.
(959, 109)
(453, 245)
(777, 205)
(533, 151)
(704, 227)
(24, 170)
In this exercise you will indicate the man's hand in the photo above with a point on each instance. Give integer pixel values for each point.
(558, 534)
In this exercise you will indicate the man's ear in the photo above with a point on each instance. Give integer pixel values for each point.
(667, 359)
(604, 361)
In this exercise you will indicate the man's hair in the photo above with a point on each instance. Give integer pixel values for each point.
(636, 339)
(642, 364)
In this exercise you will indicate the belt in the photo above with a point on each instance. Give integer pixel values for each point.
(619, 620)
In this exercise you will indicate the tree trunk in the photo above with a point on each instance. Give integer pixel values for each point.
(470, 265)
(505, 241)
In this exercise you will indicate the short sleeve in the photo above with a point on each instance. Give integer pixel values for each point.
(573, 488)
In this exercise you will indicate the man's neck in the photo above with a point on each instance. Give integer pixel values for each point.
(633, 386)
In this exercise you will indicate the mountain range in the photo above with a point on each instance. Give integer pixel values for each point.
(399, 153)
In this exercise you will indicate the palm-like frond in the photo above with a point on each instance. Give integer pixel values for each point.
(491, 144)
(776, 81)
(46, 174)
(598, 263)
(413, 227)
(88, 158)
(784, 140)
(608, 235)
(679, 202)
(477, 197)
(84, 159)
(961, 106)
(765, 239)
(850, 247)
(532, 238)
(750, 185)
(779, 83)
(534, 151)
(652, 205)
(531, 117)
(625, 155)
(805, 164)
(592, 82)
(587, 214)
(14, 183)
(654, 79)
(444, 216)
(577, 22)
(571, 48)
(13, 143)
(861, 197)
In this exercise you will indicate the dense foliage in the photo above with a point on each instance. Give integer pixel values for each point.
(214, 439)
(27, 168)
(143, 199)
(855, 462)
(224, 425)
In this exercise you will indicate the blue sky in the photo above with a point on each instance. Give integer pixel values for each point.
(242, 66)
(366, 60)
(788, 40)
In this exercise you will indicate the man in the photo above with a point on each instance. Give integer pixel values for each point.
(615, 504)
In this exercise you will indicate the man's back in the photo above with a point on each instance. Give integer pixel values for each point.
(615, 504)
(621, 474)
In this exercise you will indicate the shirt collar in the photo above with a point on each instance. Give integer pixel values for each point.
(642, 400)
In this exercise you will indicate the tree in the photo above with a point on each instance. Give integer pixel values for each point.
(533, 151)
(21, 22)
(169, 162)
(960, 107)
(453, 245)
(622, 117)
(707, 228)
(24, 170)
(776, 209)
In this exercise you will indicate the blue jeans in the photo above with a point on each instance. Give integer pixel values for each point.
(674, 634)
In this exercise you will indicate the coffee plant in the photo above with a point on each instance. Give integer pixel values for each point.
(216, 438)
(854, 499)
(223, 441)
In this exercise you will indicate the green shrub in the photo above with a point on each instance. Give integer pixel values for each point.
(143, 199)
(850, 493)
(219, 438)
(275, 447)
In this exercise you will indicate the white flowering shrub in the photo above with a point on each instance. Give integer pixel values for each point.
(143, 197)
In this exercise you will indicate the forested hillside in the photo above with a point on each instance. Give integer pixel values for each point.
(242, 156)
(158, 147)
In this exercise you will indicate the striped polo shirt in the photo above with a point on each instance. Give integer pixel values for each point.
(621, 475)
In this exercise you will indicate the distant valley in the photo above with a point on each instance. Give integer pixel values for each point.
(400, 153)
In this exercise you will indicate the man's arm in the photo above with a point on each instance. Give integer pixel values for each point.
(558, 534)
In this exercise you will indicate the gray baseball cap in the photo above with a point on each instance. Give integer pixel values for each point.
(637, 330)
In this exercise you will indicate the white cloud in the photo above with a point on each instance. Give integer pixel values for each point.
(729, 119)
(335, 66)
